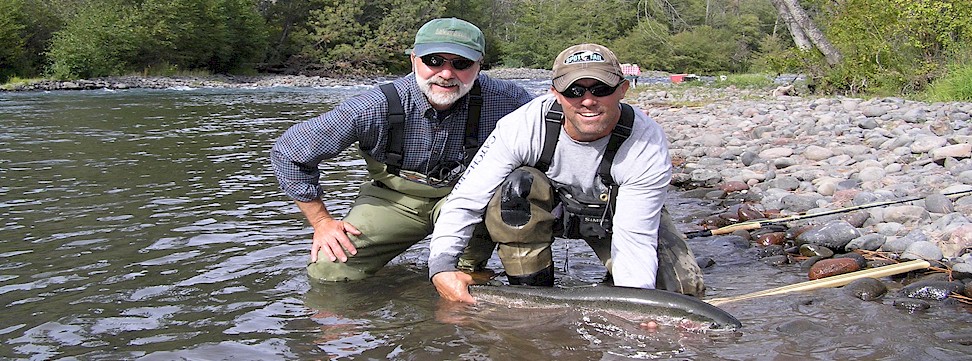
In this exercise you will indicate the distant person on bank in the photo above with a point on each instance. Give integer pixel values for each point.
(528, 195)
(416, 137)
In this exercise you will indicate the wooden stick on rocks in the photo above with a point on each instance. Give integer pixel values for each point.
(828, 282)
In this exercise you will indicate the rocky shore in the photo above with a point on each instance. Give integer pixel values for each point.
(214, 81)
(227, 81)
(764, 155)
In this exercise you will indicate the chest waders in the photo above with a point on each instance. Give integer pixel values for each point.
(584, 217)
(388, 174)
(580, 217)
(394, 213)
(519, 216)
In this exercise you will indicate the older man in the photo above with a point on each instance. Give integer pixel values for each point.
(416, 134)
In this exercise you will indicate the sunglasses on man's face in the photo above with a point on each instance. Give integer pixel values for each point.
(436, 61)
(599, 90)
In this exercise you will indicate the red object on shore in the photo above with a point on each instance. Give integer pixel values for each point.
(630, 69)
(678, 78)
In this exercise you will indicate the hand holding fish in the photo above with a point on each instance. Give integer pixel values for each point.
(454, 286)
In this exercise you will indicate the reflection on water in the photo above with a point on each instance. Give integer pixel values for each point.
(147, 224)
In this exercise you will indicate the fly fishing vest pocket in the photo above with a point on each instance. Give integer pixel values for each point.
(584, 218)
(378, 172)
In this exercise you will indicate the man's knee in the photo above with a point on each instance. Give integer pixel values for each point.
(518, 219)
(520, 208)
(514, 205)
(326, 271)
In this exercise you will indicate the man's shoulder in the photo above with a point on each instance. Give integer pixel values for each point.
(531, 113)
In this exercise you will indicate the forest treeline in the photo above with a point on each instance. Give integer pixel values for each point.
(891, 46)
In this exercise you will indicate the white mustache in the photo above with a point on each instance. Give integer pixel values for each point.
(437, 80)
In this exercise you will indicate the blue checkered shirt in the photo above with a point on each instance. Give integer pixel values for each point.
(431, 138)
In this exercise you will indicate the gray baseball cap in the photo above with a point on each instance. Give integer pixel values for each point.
(586, 61)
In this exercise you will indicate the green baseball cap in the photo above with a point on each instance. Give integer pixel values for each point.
(452, 36)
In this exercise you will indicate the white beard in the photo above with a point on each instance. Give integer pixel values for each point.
(442, 98)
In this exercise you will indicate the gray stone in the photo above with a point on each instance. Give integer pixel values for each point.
(937, 203)
(867, 289)
(908, 215)
(900, 244)
(833, 235)
(817, 153)
(868, 242)
(922, 250)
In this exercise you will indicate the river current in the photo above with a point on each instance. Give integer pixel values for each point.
(147, 225)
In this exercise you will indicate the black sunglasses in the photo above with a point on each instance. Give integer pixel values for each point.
(598, 90)
(436, 61)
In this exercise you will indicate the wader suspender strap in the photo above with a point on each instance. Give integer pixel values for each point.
(472, 122)
(553, 121)
(621, 132)
(396, 129)
(394, 153)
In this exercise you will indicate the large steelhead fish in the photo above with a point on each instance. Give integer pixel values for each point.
(654, 303)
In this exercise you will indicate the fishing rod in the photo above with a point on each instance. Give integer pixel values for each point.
(750, 225)
(829, 282)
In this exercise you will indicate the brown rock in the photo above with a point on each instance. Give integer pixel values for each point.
(767, 239)
(832, 267)
(734, 186)
(954, 151)
(844, 197)
(748, 212)
(793, 233)
(713, 222)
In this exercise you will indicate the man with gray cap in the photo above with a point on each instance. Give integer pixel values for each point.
(575, 163)
(416, 134)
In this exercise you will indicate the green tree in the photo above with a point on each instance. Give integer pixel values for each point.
(395, 30)
(649, 45)
(894, 46)
(283, 19)
(359, 37)
(216, 35)
(246, 37)
(491, 16)
(12, 59)
(703, 50)
(542, 29)
(98, 41)
(528, 39)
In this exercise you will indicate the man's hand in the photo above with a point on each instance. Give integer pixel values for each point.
(453, 286)
(331, 237)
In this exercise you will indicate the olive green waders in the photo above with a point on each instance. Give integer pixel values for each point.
(519, 220)
(392, 214)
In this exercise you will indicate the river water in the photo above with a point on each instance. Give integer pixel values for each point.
(146, 224)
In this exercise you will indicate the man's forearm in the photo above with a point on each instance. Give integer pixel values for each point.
(315, 211)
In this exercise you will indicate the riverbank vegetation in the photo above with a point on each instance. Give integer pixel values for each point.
(885, 47)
